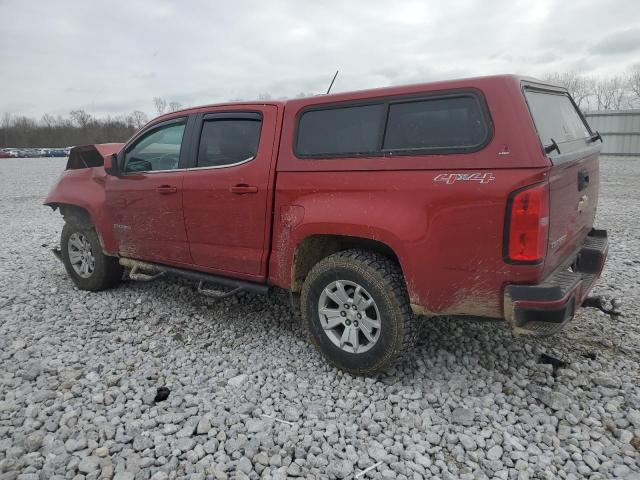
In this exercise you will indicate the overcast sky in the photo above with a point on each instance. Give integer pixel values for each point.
(112, 57)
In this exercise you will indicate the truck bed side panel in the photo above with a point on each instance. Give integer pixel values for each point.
(447, 236)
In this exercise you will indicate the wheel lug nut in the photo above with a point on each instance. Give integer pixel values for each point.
(354, 307)
(343, 314)
(348, 322)
(346, 305)
(359, 316)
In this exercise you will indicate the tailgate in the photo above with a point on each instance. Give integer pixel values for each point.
(573, 177)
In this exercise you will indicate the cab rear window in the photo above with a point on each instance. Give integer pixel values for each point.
(557, 120)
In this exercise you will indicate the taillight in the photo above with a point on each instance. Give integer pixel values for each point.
(528, 224)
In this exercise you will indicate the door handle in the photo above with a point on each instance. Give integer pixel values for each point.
(243, 188)
(166, 189)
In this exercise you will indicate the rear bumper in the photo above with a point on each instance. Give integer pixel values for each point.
(545, 308)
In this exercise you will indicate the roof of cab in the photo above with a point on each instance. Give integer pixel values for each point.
(372, 93)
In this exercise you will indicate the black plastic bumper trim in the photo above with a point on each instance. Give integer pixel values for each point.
(554, 301)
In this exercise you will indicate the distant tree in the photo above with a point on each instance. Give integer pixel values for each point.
(580, 88)
(634, 84)
(48, 120)
(175, 106)
(264, 96)
(81, 118)
(160, 104)
(6, 119)
(137, 119)
(611, 93)
(5, 125)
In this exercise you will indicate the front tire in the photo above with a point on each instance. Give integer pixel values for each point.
(85, 262)
(357, 313)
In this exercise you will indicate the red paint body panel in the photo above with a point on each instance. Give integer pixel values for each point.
(229, 232)
(428, 225)
(147, 223)
(108, 148)
(84, 188)
(568, 228)
(447, 235)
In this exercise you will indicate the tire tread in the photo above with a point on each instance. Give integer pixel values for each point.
(390, 275)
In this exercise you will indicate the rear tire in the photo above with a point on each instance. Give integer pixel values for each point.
(85, 262)
(356, 310)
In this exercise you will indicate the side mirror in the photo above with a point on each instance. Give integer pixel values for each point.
(111, 164)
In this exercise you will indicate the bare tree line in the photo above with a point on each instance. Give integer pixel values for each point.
(163, 107)
(615, 92)
(79, 128)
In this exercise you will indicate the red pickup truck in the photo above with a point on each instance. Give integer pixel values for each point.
(373, 208)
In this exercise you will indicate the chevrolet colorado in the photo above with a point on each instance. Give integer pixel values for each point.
(373, 208)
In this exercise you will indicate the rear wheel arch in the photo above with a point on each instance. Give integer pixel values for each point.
(313, 248)
(361, 275)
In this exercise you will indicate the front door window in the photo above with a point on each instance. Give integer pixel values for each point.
(158, 150)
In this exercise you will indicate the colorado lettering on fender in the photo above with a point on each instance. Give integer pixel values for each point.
(450, 178)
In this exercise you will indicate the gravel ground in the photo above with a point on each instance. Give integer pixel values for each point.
(249, 398)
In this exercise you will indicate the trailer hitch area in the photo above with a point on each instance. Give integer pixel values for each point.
(600, 303)
(143, 277)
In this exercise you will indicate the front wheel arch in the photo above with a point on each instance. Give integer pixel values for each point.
(106, 272)
(72, 213)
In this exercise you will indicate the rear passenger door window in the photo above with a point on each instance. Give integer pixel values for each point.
(440, 124)
(227, 140)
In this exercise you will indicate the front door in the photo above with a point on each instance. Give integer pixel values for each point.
(226, 193)
(145, 200)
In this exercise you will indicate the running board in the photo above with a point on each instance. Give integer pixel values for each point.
(158, 270)
(143, 277)
(217, 294)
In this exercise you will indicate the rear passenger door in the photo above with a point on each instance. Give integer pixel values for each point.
(226, 190)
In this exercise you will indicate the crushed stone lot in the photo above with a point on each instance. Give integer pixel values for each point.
(250, 398)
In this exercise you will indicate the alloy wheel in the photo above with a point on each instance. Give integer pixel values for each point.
(349, 316)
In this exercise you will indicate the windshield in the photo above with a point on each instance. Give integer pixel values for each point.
(557, 119)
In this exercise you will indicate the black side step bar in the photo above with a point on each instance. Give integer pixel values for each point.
(193, 275)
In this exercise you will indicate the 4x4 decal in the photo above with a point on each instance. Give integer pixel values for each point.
(450, 178)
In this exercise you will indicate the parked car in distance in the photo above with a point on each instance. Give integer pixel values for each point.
(11, 152)
(373, 208)
(56, 152)
(29, 153)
